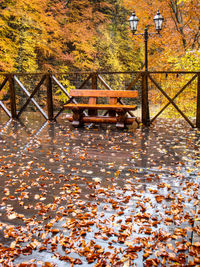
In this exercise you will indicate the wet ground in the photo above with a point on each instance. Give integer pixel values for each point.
(98, 196)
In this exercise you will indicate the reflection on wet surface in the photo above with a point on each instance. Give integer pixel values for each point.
(98, 195)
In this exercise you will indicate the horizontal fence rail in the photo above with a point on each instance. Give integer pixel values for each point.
(20, 90)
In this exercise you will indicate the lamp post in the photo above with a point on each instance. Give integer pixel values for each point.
(158, 20)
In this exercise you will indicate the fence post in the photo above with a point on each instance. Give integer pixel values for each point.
(145, 100)
(12, 96)
(93, 100)
(49, 97)
(94, 81)
(198, 103)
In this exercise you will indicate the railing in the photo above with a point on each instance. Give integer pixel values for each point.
(19, 90)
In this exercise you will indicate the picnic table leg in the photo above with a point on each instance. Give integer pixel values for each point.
(121, 118)
(77, 117)
(113, 101)
(112, 113)
(93, 100)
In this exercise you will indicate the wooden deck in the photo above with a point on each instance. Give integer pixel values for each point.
(98, 195)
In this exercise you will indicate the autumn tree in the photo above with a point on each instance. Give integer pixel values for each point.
(180, 32)
(39, 35)
(32, 33)
(92, 35)
(116, 51)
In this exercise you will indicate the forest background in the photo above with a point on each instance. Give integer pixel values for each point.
(79, 35)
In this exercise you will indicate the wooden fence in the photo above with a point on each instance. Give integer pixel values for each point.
(143, 81)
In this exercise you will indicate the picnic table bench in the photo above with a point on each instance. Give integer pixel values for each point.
(116, 110)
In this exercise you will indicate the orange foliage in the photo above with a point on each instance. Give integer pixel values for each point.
(39, 35)
(180, 28)
(87, 35)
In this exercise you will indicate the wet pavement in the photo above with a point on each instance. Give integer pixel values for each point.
(98, 196)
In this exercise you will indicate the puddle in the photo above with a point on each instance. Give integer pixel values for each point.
(97, 195)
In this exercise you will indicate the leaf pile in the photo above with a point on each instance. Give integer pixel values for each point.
(99, 196)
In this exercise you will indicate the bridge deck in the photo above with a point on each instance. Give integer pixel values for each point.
(98, 195)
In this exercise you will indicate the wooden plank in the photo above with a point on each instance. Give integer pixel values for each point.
(84, 82)
(198, 103)
(59, 112)
(12, 97)
(93, 100)
(94, 81)
(176, 95)
(103, 93)
(100, 106)
(5, 109)
(101, 119)
(171, 101)
(65, 92)
(32, 95)
(50, 108)
(71, 99)
(145, 106)
(61, 86)
(111, 112)
(113, 100)
(134, 81)
(174, 72)
(3, 83)
(109, 88)
(32, 99)
(104, 83)
(102, 72)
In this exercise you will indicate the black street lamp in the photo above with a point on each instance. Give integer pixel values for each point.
(158, 20)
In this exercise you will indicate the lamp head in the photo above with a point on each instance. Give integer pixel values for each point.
(133, 20)
(158, 20)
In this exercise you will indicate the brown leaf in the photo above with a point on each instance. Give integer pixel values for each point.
(159, 198)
